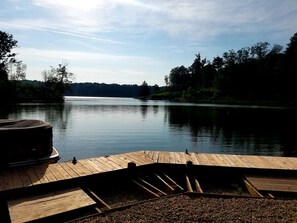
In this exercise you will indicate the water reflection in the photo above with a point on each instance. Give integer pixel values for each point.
(250, 130)
(89, 127)
(56, 114)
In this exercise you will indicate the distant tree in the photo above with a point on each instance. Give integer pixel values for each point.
(290, 68)
(218, 63)
(7, 43)
(179, 78)
(57, 81)
(276, 49)
(17, 71)
(166, 79)
(156, 88)
(144, 90)
(196, 72)
(291, 50)
(260, 50)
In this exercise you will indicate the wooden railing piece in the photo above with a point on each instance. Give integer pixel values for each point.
(167, 187)
(251, 189)
(101, 203)
(197, 185)
(146, 190)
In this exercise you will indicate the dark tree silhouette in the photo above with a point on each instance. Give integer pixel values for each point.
(144, 90)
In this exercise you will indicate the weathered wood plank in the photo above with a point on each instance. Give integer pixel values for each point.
(278, 184)
(166, 157)
(99, 165)
(194, 159)
(40, 173)
(48, 174)
(237, 161)
(161, 157)
(222, 161)
(96, 168)
(177, 158)
(139, 157)
(80, 169)
(108, 166)
(64, 172)
(34, 178)
(16, 178)
(156, 156)
(55, 171)
(118, 160)
(2, 183)
(68, 167)
(88, 166)
(251, 189)
(172, 158)
(203, 158)
(183, 157)
(49, 204)
(112, 164)
(25, 178)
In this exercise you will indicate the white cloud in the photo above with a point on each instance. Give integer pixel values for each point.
(187, 19)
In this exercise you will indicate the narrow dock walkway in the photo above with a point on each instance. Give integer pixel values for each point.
(43, 174)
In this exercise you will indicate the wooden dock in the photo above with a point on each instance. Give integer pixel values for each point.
(44, 174)
(61, 201)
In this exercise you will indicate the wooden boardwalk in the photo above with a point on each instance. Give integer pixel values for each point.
(43, 174)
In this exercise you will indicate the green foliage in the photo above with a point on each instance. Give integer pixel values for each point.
(144, 90)
(7, 43)
(259, 72)
(57, 81)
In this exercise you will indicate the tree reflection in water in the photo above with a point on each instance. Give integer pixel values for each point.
(253, 129)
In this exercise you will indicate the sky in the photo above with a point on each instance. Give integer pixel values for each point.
(131, 41)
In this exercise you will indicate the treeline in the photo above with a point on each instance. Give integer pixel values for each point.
(102, 90)
(259, 72)
(27, 90)
(13, 85)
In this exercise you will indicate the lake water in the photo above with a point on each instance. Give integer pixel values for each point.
(88, 127)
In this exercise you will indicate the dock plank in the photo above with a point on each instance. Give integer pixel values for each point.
(276, 184)
(79, 169)
(113, 165)
(67, 166)
(16, 178)
(56, 172)
(237, 161)
(194, 159)
(172, 158)
(40, 173)
(183, 157)
(203, 158)
(48, 173)
(87, 165)
(108, 166)
(120, 161)
(64, 172)
(25, 178)
(166, 157)
(177, 158)
(46, 205)
(33, 177)
(43, 174)
(139, 157)
(223, 160)
(156, 156)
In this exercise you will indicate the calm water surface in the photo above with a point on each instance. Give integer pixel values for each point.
(89, 127)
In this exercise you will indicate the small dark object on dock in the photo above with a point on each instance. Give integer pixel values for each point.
(74, 160)
(131, 165)
(187, 151)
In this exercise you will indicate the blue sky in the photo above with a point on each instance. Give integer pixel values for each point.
(129, 41)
